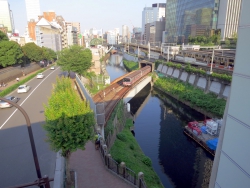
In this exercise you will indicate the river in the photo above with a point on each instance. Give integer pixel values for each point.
(159, 123)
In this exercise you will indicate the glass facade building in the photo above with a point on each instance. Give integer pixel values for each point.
(186, 18)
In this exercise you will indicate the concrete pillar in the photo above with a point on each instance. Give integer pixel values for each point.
(188, 76)
(208, 85)
(140, 178)
(123, 169)
(196, 80)
(107, 161)
(222, 89)
(180, 73)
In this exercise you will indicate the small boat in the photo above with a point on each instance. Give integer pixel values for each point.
(204, 133)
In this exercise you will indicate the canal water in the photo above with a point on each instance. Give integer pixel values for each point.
(159, 123)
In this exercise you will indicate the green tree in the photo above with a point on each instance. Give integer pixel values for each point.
(48, 54)
(235, 37)
(69, 121)
(33, 52)
(75, 58)
(3, 36)
(227, 42)
(10, 53)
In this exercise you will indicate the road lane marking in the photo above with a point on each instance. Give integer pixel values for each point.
(27, 98)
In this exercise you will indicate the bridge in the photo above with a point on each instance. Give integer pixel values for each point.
(106, 100)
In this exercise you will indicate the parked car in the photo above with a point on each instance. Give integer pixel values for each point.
(40, 75)
(52, 68)
(4, 104)
(23, 89)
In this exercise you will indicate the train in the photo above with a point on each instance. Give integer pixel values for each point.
(136, 75)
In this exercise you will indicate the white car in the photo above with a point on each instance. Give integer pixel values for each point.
(52, 68)
(4, 104)
(23, 89)
(40, 75)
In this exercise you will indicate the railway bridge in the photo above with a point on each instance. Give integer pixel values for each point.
(106, 100)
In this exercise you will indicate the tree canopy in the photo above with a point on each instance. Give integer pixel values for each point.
(33, 52)
(69, 120)
(75, 58)
(3, 36)
(10, 53)
(48, 54)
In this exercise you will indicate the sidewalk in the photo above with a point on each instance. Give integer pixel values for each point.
(14, 81)
(91, 171)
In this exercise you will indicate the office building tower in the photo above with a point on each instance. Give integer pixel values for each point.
(152, 14)
(6, 16)
(186, 18)
(229, 13)
(231, 167)
(125, 33)
(32, 9)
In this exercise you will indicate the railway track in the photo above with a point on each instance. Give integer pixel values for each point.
(111, 95)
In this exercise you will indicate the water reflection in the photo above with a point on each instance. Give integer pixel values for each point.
(178, 161)
(159, 123)
(115, 67)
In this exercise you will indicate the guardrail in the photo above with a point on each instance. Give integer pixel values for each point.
(120, 169)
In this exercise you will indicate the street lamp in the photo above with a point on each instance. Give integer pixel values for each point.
(38, 171)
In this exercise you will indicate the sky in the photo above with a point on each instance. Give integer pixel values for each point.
(99, 14)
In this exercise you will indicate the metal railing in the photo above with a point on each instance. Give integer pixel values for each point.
(42, 182)
(120, 170)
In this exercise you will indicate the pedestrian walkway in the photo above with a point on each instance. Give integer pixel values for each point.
(91, 171)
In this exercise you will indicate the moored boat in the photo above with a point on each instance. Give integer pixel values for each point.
(205, 133)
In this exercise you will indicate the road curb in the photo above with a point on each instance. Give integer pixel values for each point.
(59, 171)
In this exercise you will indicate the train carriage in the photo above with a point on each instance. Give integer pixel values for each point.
(132, 78)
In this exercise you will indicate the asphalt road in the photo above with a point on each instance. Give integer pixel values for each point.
(16, 159)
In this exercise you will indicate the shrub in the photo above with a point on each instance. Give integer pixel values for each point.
(131, 146)
(147, 161)
(121, 137)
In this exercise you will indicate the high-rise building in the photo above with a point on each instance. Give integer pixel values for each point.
(229, 13)
(184, 17)
(48, 35)
(231, 166)
(32, 9)
(6, 16)
(125, 33)
(152, 14)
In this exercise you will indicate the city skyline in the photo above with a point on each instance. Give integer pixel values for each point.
(98, 14)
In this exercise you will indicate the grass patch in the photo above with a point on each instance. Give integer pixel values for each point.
(21, 82)
(126, 149)
(187, 92)
(130, 65)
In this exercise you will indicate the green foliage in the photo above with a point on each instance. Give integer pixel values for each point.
(75, 58)
(48, 54)
(222, 76)
(10, 53)
(121, 137)
(205, 40)
(191, 69)
(196, 97)
(3, 37)
(33, 52)
(117, 111)
(69, 120)
(147, 161)
(8, 90)
(130, 65)
(131, 146)
(123, 152)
